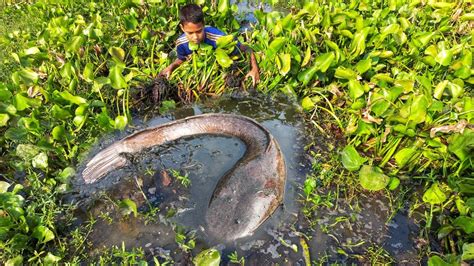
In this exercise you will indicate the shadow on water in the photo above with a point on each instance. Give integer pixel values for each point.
(204, 160)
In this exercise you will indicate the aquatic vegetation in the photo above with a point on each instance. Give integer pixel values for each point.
(393, 81)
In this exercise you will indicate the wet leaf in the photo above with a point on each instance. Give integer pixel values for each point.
(324, 61)
(60, 113)
(444, 57)
(394, 183)
(351, 159)
(66, 95)
(43, 234)
(117, 80)
(25, 76)
(74, 44)
(117, 53)
(345, 73)
(88, 73)
(208, 257)
(306, 76)
(372, 178)
(16, 261)
(58, 132)
(4, 119)
(40, 161)
(277, 44)
(309, 186)
(66, 174)
(224, 41)
(51, 259)
(307, 57)
(465, 223)
(403, 156)
(358, 43)
(128, 207)
(223, 58)
(4, 186)
(437, 261)
(285, 63)
(462, 144)
(27, 151)
(307, 104)
(223, 6)
(120, 122)
(434, 195)
(363, 65)
(355, 89)
(467, 251)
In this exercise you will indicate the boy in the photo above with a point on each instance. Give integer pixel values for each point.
(192, 24)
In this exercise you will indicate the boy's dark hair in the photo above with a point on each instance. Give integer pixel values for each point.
(191, 13)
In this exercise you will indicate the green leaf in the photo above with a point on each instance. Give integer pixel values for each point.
(467, 251)
(25, 76)
(65, 174)
(4, 119)
(403, 156)
(117, 53)
(394, 183)
(363, 65)
(444, 57)
(58, 132)
(307, 104)
(131, 23)
(4, 186)
(224, 41)
(117, 80)
(345, 73)
(16, 261)
(307, 57)
(23, 102)
(51, 259)
(60, 113)
(462, 144)
(74, 44)
(351, 159)
(26, 151)
(434, 195)
(66, 95)
(285, 63)
(128, 206)
(465, 223)
(309, 186)
(40, 161)
(43, 234)
(223, 6)
(167, 105)
(277, 44)
(372, 178)
(208, 257)
(120, 122)
(355, 89)
(79, 121)
(437, 261)
(223, 58)
(358, 43)
(88, 73)
(324, 61)
(307, 75)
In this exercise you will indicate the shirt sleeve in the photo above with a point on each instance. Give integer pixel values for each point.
(182, 53)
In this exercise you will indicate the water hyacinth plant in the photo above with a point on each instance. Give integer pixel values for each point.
(395, 78)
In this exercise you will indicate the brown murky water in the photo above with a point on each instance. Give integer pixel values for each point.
(340, 229)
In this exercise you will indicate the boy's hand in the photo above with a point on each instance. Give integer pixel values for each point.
(166, 72)
(255, 75)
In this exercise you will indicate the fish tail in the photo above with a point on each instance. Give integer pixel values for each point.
(102, 163)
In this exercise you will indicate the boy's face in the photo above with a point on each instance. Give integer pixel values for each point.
(194, 32)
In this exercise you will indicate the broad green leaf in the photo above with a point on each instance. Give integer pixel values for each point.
(43, 234)
(31, 51)
(324, 61)
(307, 103)
(462, 145)
(23, 102)
(415, 109)
(465, 223)
(5, 94)
(51, 259)
(224, 41)
(285, 60)
(117, 80)
(16, 261)
(223, 58)
(66, 174)
(40, 161)
(117, 53)
(99, 83)
(309, 186)
(25, 76)
(467, 251)
(372, 178)
(208, 257)
(74, 44)
(424, 38)
(456, 90)
(444, 231)
(437, 261)
(120, 122)
(363, 65)
(277, 44)
(60, 113)
(358, 43)
(128, 206)
(4, 119)
(345, 73)
(355, 89)
(394, 183)
(131, 23)
(4, 186)
(307, 57)
(79, 121)
(351, 159)
(434, 195)
(88, 73)
(444, 57)
(438, 92)
(26, 151)
(58, 132)
(223, 6)
(307, 75)
(66, 95)
(403, 156)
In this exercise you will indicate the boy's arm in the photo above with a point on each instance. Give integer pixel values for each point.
(254, 72)
(169, 69)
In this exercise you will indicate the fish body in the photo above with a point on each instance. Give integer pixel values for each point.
(244, 197)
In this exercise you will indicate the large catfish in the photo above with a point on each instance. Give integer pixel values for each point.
(244, 197)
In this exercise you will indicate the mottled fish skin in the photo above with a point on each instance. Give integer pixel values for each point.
(244, 197)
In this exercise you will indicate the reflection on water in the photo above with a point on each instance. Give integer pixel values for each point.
(204, 160)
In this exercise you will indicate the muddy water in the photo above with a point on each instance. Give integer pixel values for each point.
(204, 160)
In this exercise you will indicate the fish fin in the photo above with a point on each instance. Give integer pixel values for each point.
(105, 161)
